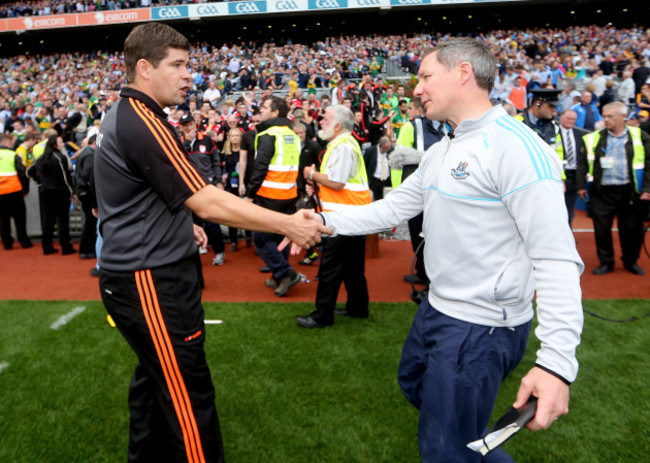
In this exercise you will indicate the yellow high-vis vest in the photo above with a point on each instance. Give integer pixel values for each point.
(356, 191)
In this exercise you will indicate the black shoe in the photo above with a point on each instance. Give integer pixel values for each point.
(48, 251)
(26, 245)
(634, 268)
(87, 256)
(68, 251)
(291, 279)
(249, 243)
(265, 269)
(415, 279)
(308, 322)
(603, 269)
(94, 272)
(345, 313)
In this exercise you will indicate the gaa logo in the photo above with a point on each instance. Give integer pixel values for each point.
(207, 10)
(246, 7)
(169, 13)
(327, 4)
(285, 5)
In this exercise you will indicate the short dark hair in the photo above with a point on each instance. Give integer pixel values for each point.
(151, 42)
(278, 104)
(92, 139)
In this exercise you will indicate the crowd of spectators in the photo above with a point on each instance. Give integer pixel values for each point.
(71, 93)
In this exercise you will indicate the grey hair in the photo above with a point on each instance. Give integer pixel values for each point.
(618, 106)
(465, 49)
(344, 116)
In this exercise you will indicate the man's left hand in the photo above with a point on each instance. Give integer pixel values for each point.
(645, 196)
(200, 238)
(552, 394)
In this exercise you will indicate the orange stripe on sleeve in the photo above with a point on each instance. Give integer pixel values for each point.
(191, 183)
(174, 148)
(174, 380)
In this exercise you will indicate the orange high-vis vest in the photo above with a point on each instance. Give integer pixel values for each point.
(282, 174)
(9, 181)
(518, 97)
(356, 191)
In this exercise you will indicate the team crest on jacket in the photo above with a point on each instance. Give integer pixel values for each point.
(460, 172)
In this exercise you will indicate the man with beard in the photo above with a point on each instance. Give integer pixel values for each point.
(342, 182)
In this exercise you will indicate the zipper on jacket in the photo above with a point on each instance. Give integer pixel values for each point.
(504, 312)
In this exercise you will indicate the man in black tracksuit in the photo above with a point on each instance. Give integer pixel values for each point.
(84, 185)
(149, 278)
(205, 158)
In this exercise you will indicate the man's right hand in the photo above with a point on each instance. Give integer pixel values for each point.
(305, 230)
(582, 194)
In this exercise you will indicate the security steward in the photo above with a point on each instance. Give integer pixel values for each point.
(343, 182)
(617, 159)
(273, 186)
(14, 184)
(148, 273)
(540, 115)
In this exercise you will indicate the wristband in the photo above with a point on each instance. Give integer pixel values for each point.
(311, 174)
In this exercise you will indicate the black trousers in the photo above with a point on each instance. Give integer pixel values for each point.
(570, 195)
(171, 396)
(377, 187)
(343, 261)
(12, 206)
(56, 207)
(89, 229)
(630, 212)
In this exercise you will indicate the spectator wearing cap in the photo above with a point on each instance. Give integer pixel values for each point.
(539, 115)
(587, 111)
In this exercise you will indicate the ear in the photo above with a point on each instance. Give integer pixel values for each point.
(465, 71)
(143, 68)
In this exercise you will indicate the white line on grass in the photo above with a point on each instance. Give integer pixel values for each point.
(3, 365)
(67, 317)
(213, 322)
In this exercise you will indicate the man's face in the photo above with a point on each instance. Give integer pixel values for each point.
(568, 120)
(613, 119)
(170, 81)
(241, 108)
(328, 126)
(265, 111)
(402, 108)
(188, 130)
(300, 131)
(357, 117)
(434, 82)
(546, 111)
(585, 98)
(412, 111)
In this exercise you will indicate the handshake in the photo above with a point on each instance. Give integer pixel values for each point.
(305, 229)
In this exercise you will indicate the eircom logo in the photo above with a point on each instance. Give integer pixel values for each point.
(247, 7)
(327, 4)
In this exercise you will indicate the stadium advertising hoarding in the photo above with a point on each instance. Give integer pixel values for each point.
(194, 11)
(169, 12)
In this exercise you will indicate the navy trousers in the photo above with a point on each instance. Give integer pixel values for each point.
(451, 371)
